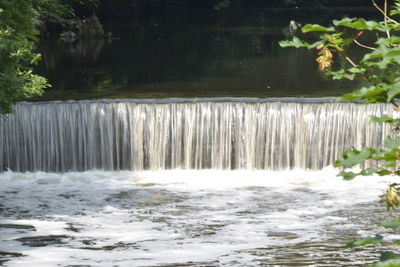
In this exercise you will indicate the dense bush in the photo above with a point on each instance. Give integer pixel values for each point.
(19, 22)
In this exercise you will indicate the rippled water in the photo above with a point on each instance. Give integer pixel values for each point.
(187, 218)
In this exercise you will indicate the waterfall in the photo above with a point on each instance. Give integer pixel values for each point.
(183, 133)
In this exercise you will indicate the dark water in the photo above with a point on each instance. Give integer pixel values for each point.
(176, 60)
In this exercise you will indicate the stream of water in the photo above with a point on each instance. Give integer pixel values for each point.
(187, 218)
(183, 182)
(216, 133)
(195, 181)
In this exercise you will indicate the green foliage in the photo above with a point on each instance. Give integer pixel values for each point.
(394, 223)
(384, 119)
(316, 28)
(379, 69)
(361, 24)
(390, 263)
(296, 42)
(365, 241)
(350, 175)
(19, 20)
(388, 255)
(383, 161)
(353, 157)
(396, 9)
(53, 10)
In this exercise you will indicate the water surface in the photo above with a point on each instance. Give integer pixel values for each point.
(218, 133)
(195, 60)
(188, 218)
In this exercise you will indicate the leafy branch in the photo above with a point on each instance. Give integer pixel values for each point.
(336, 41)
(379, 71)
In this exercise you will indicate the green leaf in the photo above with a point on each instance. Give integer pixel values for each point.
(337, 75)
(384, 172)
(387, 53)
(387, 42)
(348, 175)
(368, 171)
(357, 70)
(391, 155)
(390, 263)
(393, 92)
(393, 224)
(392, 143)
(388, 255)
(360, 24)
(370, 94)
(318, 43)
(296, 42)
(335, 40)
(353, 157)
(365, 241)
(341, 74)
(348, 76)
(383, 119)
(316, 28)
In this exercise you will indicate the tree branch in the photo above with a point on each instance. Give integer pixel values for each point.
(350, 61)
(386, 17)
(383, 12)
(364, 46)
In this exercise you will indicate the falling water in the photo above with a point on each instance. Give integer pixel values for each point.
(187, 134)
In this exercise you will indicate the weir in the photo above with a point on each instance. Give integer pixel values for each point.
(271, 134)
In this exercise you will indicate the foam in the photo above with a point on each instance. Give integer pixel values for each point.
(170, 217)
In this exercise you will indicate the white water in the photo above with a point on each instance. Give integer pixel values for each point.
(192, 216)
(218, 134)
(199, 218)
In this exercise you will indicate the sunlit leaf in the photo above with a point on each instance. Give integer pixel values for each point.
(316, 28)
(368, 94)
(391, 198)
(393, 92)
(356, 70)
(353, 157)
(320, 43)
(296, 42)
(391, 155)
(388, 41)
(360, 24)
(325, 59)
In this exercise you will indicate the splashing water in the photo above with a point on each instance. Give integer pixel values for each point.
(200, 185)
(187, 218)
(213, 134)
